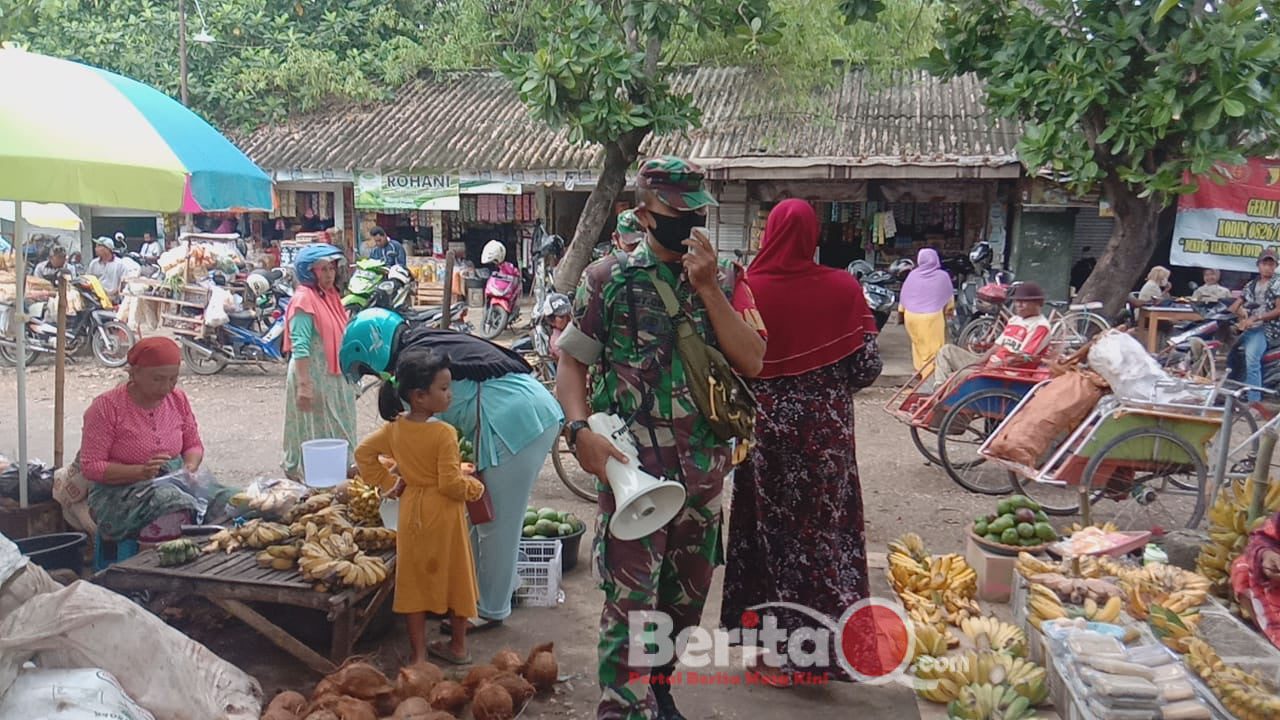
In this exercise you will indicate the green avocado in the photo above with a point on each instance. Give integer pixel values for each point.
(573, 520)
(980, 527)
(1002, 523)
(530, 518)
(529, 531)
(1009, 537)
(1004, 507)
(564, 529)
(1041, 517)
(992, 537)
(1045, 532)
(539, 537)
(1026, 530)
(545, 527)
(547, 513)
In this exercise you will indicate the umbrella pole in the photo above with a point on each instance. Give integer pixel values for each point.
(60, 376)
(20, 336)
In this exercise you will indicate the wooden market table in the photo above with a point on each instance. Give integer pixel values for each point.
(231, 580)
(1151, 318)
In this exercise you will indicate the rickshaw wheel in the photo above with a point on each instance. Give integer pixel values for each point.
(930, 456)
(957, 433)
(1145, 487)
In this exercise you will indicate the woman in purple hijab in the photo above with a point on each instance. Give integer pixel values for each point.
(927, 300)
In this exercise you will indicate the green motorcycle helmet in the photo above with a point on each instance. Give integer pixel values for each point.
(368, 344)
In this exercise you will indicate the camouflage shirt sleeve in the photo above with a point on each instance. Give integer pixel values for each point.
(585, 336)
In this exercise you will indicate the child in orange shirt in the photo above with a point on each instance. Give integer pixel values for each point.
(435, 572)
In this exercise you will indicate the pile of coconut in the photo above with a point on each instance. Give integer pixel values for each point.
(359, 691)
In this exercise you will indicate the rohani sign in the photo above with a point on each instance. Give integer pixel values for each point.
(406, 191)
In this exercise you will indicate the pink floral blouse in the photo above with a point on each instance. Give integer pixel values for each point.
(116, 430)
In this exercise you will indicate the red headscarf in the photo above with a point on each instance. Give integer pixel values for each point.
(1248, 580)
(786, 281)
(154, 352)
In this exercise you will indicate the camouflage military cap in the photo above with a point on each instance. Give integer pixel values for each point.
(628, 227)
(676, 181)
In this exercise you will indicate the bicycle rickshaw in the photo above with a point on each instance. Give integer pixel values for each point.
(1144, 465)
(963, 410)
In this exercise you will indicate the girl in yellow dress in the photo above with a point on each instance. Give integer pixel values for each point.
(434, 567)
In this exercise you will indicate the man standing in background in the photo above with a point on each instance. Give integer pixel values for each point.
(386, 249)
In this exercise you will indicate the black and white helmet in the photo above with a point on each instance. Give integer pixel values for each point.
(558, 304)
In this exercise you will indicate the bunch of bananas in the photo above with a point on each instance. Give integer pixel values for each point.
(226, 540)
(1086, 567)
(375, 539)
(930, 642)
(365, 502)
(280, 557)
(320, 556)
(312, 504)
(258, 534)
(1166, 585)
(1028, 565)
(937, 589)
(989, 702)
(1077, 590)
(275, 502)
(1075, 527)
(941, 680)
(1229, 530)
(1045, 604)
(177, 552)
(1244, 694)
(361, 571)
(1173, 628)
(989, 633)
(333, 517)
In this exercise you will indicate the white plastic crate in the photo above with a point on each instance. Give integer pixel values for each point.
(538, 568)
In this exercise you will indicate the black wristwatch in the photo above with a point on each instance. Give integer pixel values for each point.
(571, 433)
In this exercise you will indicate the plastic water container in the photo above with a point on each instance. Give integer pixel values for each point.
(390, 512)
(324, 462)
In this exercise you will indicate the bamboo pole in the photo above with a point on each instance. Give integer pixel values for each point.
(1262, 474)
(60, 376)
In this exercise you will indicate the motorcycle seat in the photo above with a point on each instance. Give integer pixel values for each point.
(242, 318)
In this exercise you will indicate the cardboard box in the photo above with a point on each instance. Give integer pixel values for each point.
(995, 572)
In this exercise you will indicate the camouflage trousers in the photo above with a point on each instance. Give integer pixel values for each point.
(668, 572)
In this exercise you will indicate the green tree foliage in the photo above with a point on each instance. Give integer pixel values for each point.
(600, 71)
(270, 57)
(1124, 97)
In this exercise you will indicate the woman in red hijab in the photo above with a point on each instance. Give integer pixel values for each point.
(1255, 577)
(796, 528)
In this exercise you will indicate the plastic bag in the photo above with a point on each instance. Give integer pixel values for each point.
(210, 497)
(268, 498)
(1054, 411)
(171, 675)
(69, 695)
(39, 482)
(215, 313)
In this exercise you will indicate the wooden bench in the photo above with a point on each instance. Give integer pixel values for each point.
(231, 580)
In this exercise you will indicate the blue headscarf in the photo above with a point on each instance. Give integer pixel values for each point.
(308, 256)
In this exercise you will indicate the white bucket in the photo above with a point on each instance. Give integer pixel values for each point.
(390, 512)
(324, 462)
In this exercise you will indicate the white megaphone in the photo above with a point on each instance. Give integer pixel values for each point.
(644, 503)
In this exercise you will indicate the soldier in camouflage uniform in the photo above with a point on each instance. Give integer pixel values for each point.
(622, 334)
(627, 233)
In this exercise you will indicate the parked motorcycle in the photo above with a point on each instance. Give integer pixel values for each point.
(94, 325)
(250, 336)
(1193, 347)
(431, 316)
(375, 284)
(501, 291)
(876, 289)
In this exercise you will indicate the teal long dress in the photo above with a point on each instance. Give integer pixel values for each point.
(333, 413)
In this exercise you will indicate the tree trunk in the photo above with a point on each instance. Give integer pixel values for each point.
(1133, 240)
(618, 157)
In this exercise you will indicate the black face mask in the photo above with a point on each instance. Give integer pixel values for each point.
(671, 232)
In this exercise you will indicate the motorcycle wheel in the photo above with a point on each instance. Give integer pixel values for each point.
(495, 321)
(9, 357)
(202, 365)
(111, 344)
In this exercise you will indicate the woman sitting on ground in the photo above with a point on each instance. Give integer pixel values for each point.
(133, 434)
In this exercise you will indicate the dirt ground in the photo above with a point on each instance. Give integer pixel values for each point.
(241, 415)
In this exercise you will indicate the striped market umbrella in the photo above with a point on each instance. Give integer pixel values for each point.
(70, 133)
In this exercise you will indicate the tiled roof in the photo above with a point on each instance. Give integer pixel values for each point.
(474, 121)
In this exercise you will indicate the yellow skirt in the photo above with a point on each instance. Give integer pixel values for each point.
(928, 333)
